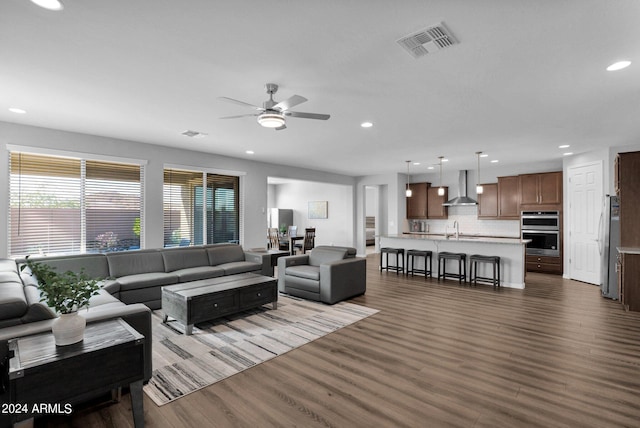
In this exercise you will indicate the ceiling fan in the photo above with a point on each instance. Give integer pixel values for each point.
(272, 114)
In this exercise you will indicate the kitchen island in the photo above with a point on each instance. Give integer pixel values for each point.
(510, 250)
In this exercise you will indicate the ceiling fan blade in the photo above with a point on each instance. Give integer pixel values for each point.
(307, 115)
(240, 115)
(280, 128)
(289, 102)
(242, 103)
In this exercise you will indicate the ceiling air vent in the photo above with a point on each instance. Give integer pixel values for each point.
(194, 134)
(427, 41)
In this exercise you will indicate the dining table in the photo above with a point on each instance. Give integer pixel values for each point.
(292, 241)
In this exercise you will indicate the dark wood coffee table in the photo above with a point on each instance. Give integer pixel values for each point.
(204, 300)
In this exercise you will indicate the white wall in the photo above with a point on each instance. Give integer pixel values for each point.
(337, 228)
(253, 181)
(371, 201)
(605, 155)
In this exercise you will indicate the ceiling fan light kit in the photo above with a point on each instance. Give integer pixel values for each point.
(272, 114)
(271, 120)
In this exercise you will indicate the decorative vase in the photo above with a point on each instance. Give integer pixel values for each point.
(68, 329)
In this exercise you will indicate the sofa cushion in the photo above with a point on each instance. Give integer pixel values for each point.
(233, 268)
(13, 303)
(146, 280)
(322, 255)
(127, 263)
(37, 310)
(199, 272)
(303, 287)
(103, 298)
(304, 271)
(111, 286)
(182, 258)
(225, 253)
(94, 265)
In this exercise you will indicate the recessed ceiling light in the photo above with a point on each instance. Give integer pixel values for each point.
(484, 155)
(619, 65)
(416, 163)
(249, 152)
(49, 4)
(567, 154)
(564, 146)
(431, 167)
(366, 124)
(445, 160)
(17, 110)
(495, 161)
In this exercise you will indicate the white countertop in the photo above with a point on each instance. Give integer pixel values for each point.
(461, 238)
(628, 250)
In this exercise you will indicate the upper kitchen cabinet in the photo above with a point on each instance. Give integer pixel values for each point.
(541, 189)
(488, 201)
(508, 198)
(417, 203)
(434, 204)
(628, 188)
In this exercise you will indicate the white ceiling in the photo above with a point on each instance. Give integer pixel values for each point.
(525, 77)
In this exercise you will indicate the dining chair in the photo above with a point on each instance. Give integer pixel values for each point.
(309, 240)
(274, 239)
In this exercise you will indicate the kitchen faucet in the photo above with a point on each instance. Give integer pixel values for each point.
(457, 228)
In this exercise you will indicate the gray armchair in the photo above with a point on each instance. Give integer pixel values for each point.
(327, 274)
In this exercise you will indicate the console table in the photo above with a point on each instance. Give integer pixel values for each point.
(45, 378)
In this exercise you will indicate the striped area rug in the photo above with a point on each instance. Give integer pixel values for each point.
(216, 350)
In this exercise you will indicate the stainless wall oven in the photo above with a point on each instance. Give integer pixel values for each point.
(543, 229)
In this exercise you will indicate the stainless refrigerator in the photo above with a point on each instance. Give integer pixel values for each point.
(611, 240)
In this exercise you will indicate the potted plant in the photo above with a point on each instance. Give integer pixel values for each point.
(67, 293)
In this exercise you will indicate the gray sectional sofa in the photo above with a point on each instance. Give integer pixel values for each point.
(327, 274)
(131, 285)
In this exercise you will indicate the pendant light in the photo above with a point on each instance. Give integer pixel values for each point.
(408, 192)
(440, 189)
(479, 188)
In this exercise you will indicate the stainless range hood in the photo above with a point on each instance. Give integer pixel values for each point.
(462, 198)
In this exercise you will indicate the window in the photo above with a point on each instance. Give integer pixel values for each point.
(71, 205)
(200, 208)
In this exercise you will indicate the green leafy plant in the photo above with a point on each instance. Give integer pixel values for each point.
(65, 292)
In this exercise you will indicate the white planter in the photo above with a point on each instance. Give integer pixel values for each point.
(68, 329)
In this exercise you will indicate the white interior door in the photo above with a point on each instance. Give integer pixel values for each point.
(585, 210)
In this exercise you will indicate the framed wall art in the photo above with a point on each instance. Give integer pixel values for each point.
(318, 209)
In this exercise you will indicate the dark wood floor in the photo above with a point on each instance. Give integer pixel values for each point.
(437, 354)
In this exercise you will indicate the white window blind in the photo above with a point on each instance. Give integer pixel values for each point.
(70, 205)
(195, 214)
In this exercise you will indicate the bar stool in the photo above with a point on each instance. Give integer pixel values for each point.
(399, 252)
(473, 274)
(462, 266)
(411, 262)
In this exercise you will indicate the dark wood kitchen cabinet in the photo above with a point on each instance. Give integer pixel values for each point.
(628, 188)
(629, 281)
(417, 203)
(508, 198)
(488, 201)
(435, 201)
(544, 264)
(627, 183)
(540, 189)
